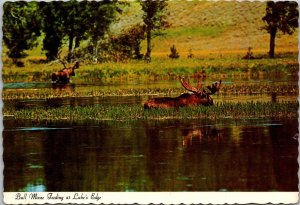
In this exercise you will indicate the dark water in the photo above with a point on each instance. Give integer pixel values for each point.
(171, 155)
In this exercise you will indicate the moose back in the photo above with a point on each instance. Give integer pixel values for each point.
(199, 96)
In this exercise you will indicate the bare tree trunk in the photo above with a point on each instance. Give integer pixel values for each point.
(272, 42)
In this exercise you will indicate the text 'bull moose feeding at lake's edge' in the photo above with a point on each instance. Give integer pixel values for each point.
(199, 97)
(63, 76)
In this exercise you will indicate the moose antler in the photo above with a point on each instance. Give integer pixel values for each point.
(59, 59)
(215, 87)
(62, 62)
(190, 87)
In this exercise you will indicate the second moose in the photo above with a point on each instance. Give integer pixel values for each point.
(63, 76)
(199, 97)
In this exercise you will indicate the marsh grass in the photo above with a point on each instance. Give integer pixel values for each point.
(137, 112)
(156, 70)
(162, 90)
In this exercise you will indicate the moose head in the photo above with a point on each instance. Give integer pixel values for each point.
(63, 76)
(199, 96)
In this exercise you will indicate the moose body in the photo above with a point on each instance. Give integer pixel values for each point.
(199, 97)
(185, 99)
(63, 76)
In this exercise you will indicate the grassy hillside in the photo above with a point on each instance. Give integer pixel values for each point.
(209, 28)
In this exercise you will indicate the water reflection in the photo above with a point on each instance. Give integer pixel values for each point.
(171, 155)
(70, 87)
(196, 136)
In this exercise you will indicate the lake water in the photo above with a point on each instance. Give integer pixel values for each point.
(163, 155)
(171, 155)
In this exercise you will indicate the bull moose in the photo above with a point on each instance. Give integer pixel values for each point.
(199, 97)
(63, 76)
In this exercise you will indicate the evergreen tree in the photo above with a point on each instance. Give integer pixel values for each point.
(174, 53)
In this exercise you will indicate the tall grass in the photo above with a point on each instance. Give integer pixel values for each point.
(135, 112)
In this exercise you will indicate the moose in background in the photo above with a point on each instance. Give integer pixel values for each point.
(63, 76)
(199, 97)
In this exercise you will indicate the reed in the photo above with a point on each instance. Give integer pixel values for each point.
(137, 112)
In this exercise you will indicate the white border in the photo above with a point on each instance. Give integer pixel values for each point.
(145, 197)
(150, 197)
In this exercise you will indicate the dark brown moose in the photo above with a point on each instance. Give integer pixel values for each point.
(63, 76)
(199, 97)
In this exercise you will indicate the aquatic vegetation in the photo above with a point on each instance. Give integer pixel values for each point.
(158, 68)
(160, 90)
(134, 112)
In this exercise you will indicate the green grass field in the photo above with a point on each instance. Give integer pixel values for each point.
(158, 69)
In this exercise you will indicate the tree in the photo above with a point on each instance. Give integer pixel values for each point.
(154, 19)
(100, 15)
(128, 43)
(75, 24)
(21, 27)
(76, 21)
(283, 16)
(52, 17)
(63, 20)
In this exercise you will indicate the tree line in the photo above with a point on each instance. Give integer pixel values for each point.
(72, 22)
